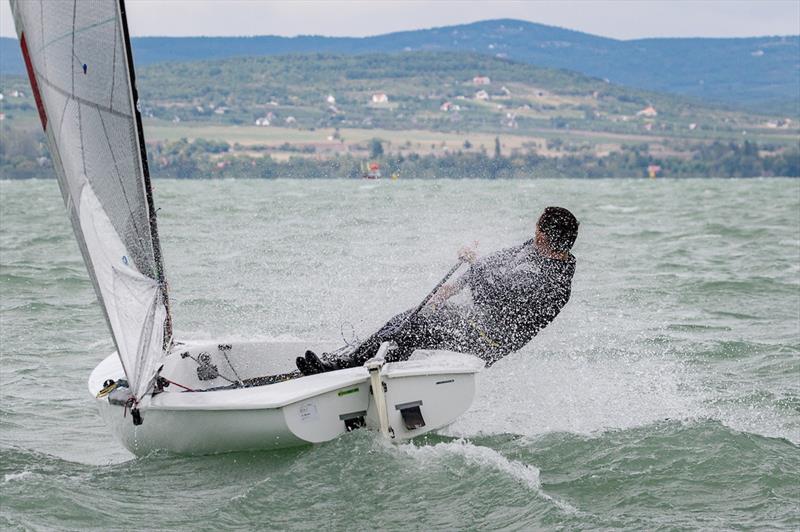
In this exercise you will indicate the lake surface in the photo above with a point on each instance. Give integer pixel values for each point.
(665, 395)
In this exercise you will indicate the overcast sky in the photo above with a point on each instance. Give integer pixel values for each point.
(621, 19)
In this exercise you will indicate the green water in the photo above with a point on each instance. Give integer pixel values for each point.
(665, 396)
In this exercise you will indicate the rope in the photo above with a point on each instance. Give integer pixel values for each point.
(130, 403)
(187, 354)
(482, 334)
(178, 385)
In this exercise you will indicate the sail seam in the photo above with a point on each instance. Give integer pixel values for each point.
(74, 14)
(80, 129)
(78, 98)
(114, 65)
(61, 122)
(41, 10)
(80, 118)
(74, 31)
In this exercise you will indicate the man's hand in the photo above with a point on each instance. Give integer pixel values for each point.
(468, 254)
(441, 295)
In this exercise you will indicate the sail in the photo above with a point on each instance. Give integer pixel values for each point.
(78, 58)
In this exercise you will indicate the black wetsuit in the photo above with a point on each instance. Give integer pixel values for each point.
(516, 293)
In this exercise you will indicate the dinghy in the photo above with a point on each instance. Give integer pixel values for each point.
(154, 392)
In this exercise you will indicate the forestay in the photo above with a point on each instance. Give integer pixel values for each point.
(78, 58)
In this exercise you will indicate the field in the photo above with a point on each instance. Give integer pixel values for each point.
(331, 141)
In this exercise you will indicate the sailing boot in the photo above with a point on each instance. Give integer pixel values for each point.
(320, 365)
(303, 366)
(311, 364)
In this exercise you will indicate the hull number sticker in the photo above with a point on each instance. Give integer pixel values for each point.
(308, 412)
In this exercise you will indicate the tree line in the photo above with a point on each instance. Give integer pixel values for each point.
(25, 155)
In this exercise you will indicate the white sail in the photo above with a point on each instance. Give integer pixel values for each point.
(78, 58)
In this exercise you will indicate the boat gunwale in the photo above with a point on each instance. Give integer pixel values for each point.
(273, 396)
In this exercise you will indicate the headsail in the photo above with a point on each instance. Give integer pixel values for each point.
(79, 62)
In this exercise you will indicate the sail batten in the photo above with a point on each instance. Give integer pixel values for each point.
(80, 66)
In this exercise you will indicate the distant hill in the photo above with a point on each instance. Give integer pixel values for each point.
(758, 73)
(433, 91)
(422, 114)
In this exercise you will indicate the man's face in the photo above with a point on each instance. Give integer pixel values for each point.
(540, 238)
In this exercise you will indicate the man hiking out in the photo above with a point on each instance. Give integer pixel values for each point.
(516, 292)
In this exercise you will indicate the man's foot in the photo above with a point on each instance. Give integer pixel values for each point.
(311, 364)
(303, 366)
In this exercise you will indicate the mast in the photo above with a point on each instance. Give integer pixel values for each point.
(148, 189)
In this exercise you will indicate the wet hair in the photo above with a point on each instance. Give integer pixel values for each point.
(560, 226)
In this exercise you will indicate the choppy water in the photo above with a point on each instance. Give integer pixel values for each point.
(666, 395)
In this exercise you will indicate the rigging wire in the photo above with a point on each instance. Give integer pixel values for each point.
(354, 340)
(200, 364)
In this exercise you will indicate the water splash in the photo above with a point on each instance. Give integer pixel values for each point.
(482, 457)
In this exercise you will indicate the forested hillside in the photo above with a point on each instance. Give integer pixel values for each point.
(423, 114)
(759, 73)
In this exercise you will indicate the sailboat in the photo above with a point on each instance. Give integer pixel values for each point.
(155, 391)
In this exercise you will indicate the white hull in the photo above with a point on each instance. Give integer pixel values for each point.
(433, 388)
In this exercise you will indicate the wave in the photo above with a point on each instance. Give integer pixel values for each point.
(483, 457)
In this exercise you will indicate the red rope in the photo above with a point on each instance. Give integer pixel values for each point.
(178, 385)
(130, 403)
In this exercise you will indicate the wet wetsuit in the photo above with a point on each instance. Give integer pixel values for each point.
(516, 293)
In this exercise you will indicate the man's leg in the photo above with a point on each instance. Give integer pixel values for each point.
(311, 363)
(448, 327)
(369, 347)
(453, 328)
(443, 328)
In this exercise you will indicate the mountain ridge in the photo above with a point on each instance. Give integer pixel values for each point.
(755, 73)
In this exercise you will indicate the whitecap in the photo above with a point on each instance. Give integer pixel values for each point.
(484, 457)
(10, 477)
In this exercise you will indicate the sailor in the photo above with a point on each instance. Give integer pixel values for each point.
(516, 292)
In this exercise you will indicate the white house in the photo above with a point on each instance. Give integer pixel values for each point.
(481, 95)
(648, 112)
(449, 106)
(380, 97)
(481, 80)
(330, 99)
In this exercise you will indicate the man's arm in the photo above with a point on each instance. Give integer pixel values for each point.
(478, 271)
(466, 254)
(449, 290)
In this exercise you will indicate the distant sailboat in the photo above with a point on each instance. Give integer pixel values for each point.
(370, 170)
(182, 397)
